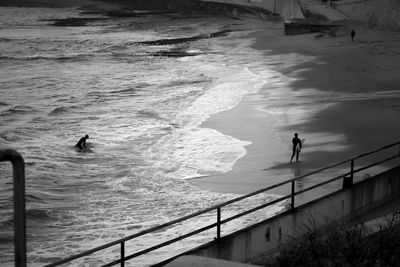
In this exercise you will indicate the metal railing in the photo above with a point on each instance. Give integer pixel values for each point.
(348, 175)
(19, 204)
(19, 207)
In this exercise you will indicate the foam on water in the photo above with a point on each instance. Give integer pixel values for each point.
(193, 151)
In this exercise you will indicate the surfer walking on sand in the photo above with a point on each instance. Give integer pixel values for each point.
(296, 147)
(352, 34)
(82, 142)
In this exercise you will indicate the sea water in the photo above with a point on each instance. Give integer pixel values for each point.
(143, 112)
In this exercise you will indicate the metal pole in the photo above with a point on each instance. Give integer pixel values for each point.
(218, 222)
(122, 254)
(19, 204)
(351, 170)
(292, 195)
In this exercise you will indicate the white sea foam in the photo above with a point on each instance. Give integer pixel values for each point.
(193, 151)
(198, 152)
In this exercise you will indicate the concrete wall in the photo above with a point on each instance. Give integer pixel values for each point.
(381, 13)
(266, 236)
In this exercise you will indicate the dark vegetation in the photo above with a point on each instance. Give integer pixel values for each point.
(342, 245)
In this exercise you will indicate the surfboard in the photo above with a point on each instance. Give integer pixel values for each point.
(82, 150)
(298, 145)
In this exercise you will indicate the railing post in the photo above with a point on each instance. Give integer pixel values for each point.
(122, 254)
(348, 180)
(292, 195)
(218, 222)
(352, 169)
(19, 204)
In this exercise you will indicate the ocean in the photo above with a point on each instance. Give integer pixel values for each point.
(141, 103)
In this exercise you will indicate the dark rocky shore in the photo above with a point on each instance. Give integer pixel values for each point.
(124, 8)
(130, 4)
(108, 9)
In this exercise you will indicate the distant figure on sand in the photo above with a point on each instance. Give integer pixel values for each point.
(352, 34)
(82, 142)
(296, 147)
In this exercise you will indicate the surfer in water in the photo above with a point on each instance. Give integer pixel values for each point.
(82, 142)
(296, 147)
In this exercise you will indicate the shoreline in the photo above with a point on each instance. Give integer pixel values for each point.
(342, 97)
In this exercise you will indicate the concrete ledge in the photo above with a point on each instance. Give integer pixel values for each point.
(197, 261)
(266, 237)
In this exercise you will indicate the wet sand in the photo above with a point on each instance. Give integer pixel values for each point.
(342, 97)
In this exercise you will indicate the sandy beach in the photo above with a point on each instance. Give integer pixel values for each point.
(343, 98)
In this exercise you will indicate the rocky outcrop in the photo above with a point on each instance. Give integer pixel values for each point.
(155, 4)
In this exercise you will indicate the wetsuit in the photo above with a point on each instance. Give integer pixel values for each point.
(353, 34)
(296, 142)
(81, 143)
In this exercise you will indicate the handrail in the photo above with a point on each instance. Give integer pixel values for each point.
(19, 204)
(218, 207)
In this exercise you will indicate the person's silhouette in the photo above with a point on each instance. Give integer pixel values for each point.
(352, 34)
(296, 147)
(82, 142)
